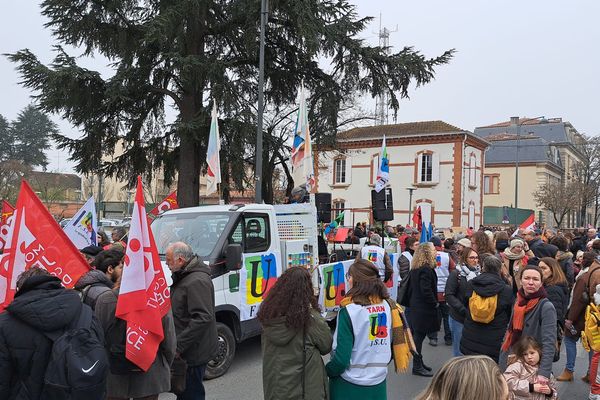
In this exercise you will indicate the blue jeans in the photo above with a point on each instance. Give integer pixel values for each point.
(194, 388)
(456, 328)
(571, 350)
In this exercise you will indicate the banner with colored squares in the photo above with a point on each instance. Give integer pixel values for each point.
(333, 286)
(257, 276)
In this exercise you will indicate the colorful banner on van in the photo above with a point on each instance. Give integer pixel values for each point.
(334, 284)
(257, 276)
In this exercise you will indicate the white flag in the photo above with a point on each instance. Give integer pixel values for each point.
(82, 229)
(213, 173)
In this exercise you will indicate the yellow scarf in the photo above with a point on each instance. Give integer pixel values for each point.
(401, 337)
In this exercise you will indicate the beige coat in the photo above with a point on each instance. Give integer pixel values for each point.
(518, 377)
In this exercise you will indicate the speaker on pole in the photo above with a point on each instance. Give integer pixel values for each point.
(323, 203)
(383, 206)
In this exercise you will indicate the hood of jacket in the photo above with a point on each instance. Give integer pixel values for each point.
(487, 284)
(44, 304)
(93, 277)
(277, 332)
(195, 265)
(564, 255)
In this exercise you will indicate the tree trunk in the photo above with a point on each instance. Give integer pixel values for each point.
(188, 184)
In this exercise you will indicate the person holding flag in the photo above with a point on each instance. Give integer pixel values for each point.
(136, 317)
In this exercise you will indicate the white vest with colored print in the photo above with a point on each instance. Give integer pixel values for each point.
(442, 269)
(372, 350)
(375, 254)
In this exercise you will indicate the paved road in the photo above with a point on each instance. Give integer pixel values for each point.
(244, 379)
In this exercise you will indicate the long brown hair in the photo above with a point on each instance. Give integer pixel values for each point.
(366, 283)
(291, 297)
(424, 256)
(558, 276)
(482, 242)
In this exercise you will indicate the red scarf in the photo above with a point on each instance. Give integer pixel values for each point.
(523, 305)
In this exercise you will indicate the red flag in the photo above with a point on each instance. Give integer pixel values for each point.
(417, 219)
(7, 211)
(528, 224)
(169, 203)
(144, 294)
(35, 239)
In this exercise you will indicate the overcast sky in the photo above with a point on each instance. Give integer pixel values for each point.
(527, 58)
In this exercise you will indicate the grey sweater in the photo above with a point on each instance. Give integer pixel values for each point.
(540, 323)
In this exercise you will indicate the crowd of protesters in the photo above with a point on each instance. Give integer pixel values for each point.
(44, 316)
(506, 305)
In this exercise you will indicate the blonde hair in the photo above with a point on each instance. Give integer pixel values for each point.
(466, 378)
(424, 256)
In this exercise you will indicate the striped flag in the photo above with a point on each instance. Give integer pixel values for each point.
(302, 157)
(383, 174)
(213, 173)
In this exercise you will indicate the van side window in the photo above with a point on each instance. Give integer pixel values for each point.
(256, 234)
(237, 234)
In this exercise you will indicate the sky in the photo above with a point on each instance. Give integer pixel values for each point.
(513, 57)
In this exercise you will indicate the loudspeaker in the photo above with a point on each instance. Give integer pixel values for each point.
(323, 203)
(383, 206)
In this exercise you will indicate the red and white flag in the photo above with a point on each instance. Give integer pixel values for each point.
(169, 203)
(144, 295)
(35, 239)
(5, 222)
(528, 224)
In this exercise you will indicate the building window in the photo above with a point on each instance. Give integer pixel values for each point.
(472, 171)
(337, 207)
(426, 172)
(490, 184)
(339, 171)
(374, 168)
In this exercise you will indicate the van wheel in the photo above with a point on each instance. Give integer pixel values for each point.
(221, 362)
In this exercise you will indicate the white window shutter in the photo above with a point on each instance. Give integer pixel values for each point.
(419, 166)
(348, 170)
(435, 167)
(330, 171)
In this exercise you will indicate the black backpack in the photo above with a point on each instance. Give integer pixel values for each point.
(78, 364)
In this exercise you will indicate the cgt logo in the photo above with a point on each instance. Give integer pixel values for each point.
(261, 276)
(335, 285)
(372, 256)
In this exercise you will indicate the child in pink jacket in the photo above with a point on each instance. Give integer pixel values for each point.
(521, 374)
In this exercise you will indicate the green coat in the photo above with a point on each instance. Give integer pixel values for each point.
(282, 350)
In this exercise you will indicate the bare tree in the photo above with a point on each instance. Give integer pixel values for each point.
(557, 198)
(587, 176)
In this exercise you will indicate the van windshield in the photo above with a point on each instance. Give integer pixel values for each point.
(201, 231)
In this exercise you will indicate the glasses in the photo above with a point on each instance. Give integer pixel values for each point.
(473, 258)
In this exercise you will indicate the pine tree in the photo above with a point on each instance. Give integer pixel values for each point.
(30, 132)
(7, 142)
(191, 52)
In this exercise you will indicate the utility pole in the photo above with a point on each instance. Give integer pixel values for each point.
(261, 83)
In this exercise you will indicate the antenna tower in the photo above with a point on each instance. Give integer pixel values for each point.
(381, 102)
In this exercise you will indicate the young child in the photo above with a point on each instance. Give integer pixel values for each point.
(521, 374)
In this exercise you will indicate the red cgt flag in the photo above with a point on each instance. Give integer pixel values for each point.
(144, 294)
(35, 239)
(5, 222)
(169, 203)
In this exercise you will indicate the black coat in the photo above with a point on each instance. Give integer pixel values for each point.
(41, 305)
(422, 290)
(541, 249)
(559, 297)
(456, 290)
(486, 339)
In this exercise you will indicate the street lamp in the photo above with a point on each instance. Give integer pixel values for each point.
(516, 122)
(410, 192)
